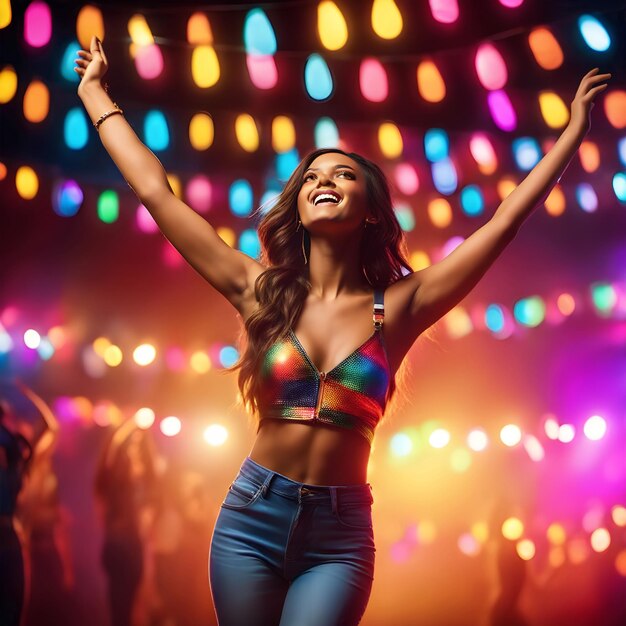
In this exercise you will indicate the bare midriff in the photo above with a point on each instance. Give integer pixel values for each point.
(313, 454)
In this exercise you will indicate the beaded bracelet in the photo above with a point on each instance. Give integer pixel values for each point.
(103, 117)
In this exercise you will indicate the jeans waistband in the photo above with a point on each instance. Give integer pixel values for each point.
(270, 480)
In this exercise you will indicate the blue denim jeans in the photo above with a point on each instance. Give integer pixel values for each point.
(285, 553)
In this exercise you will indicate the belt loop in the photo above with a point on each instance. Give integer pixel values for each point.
(266, 483)
(333, 499)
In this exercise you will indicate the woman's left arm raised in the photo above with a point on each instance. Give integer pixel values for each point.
(441, 286)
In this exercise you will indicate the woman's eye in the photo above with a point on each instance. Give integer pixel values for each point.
(348, 174)
(307, 177)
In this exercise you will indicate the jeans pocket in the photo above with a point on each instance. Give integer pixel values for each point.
(355, 515)
(242, 492)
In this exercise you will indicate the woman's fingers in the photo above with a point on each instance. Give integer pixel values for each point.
(101, 48)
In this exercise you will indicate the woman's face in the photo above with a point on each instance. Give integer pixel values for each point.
(333, 196)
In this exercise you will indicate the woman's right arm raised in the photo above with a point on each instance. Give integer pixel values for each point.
(230, 271)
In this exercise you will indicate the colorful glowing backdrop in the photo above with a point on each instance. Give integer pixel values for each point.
(515, 425)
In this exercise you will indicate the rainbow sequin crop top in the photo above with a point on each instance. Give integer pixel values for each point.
(352, 395)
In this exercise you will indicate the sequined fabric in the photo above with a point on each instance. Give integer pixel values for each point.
(352, 395)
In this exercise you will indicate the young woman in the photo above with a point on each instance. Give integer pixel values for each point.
(293, 543)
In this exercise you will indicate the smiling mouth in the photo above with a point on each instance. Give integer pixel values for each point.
(326, 198)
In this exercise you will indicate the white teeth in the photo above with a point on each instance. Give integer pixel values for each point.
(326, 197)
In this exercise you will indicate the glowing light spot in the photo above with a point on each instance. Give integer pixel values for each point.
(286, 163)
(551, 427)
(444, 11)
(430, 84)
(458, 322)
(205, 66)
(512, 528)
(215, 434)
(258, 34)
(227, 235)
(510, 435)
(199, 193)
(472, 201)
(5, 13)
(556, 557)
(530, 311)
(240, 197)
(594, 34)
(619, 186)
(595, 428)
(440, 212)
(620, 563)
(156, 131)
(420, 260)
(553, 110)
(228, 356)
(89, 22)
(439, 438)
(468, 545)
(556, 534)
(566, 304)
(75, 129)
(494, 318)
(460, 460)
(108, 206)
(326, 133)
(8, 84)
(600, 540)
(527, 152)
(149, 61)
(386, 19)
(401, 444)
(390, 140)
(247, 132)
(139, 31)
(144, 418)
(67, 62)
(490, 67)
(36, 102)
(406, 178)
(567, 433)
(37, 24)
(144, 354)
(511, 4)
(586, 197)
(483, 153)
(405, 216)
(32, 339)
(249, 243)
(26, 182)
(444, 176)
(373, 80)
(555, 202)
(436, 144)
(604, 298)
(501, 110)
(201, 131)
(618, 515)
(480, 531)
(262, 70)
(533, 447)
(427, 532)
(451, 245)
(331, 26)
(170, 426)
(112, 356)
(615, 108)
(317, 78)
(525, 549)
(545, 48)
(200, 362)
(67, 198)
(283, 133)
(477, 440)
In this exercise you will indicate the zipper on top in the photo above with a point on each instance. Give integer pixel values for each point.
(320, 392)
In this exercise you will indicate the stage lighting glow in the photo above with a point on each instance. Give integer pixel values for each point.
(600, 539)
(439, 438)
(578, 551)
(57, 336)
(105, 414)
(156, 131)
(67, 62)
(545, 48)
(553, 110)
(556, 557)
(390, 140)
(93, 364)
(589, 156)
(331, 26)
(618, 515)
(175, 359)
(594, 33)
(401, 444)
(215, 434)
(317, 78)
(326, 133)
(525, 549)
(205, 66)
(420, 260)
(247, 132)
(199, 193)
(145, 221)
(527, 152)
(258, 34)
(268, 200)
(468, 545)
(373, 80)
(32, 339)
(587, 198)
(200, 362)
(511, 4)
(8, 84)
(490, 67)
(620, 563)
(99, 345)
(112, 356)
(430, 85)
(286, 163)
(170, 426)
(386, 19)
(67, 198)
(494, 318)
(283, 134)
(460, 460)
(262, 70)
(75, 129)
(505, 187)
(501, 110)
(604, 298)
(510, 435)
(149, 61)
(551, 427)
(144, 418)
(595, 428)
(5, 13)
(175, 184)
(512, 528)
(472, 201)
(3, 171)
(533, 447)
(6, 343)
(144, 354)
(227, 235)
(440, 212)
(567, 432)
(452, 244)
(37, 24)
(483, 153)
(228, 355)
(406, 179)
(566, 304)
(426, 532)
(477, 440)
(436, 144)
(480, 531)
(240, 198)
(444, 11)
(555, 202)
(621, 144)
(108, 206)
(405, 216)
(593, 518)
(458, 322)
(530, 311)
(556, 534)
(249, 243)
(139, 31)
(89, 22)
(26, 182)
(36, 102)
(619, 186)
(201, 131)
(444, 176)
(199, 29)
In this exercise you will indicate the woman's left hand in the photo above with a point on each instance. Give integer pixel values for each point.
(583, 100)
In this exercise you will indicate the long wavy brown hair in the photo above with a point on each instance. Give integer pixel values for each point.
(281, 290)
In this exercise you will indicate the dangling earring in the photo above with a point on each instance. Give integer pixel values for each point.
(303, 248)
(299, 224)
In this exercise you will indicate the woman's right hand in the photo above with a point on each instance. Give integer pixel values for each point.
(91, 65)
